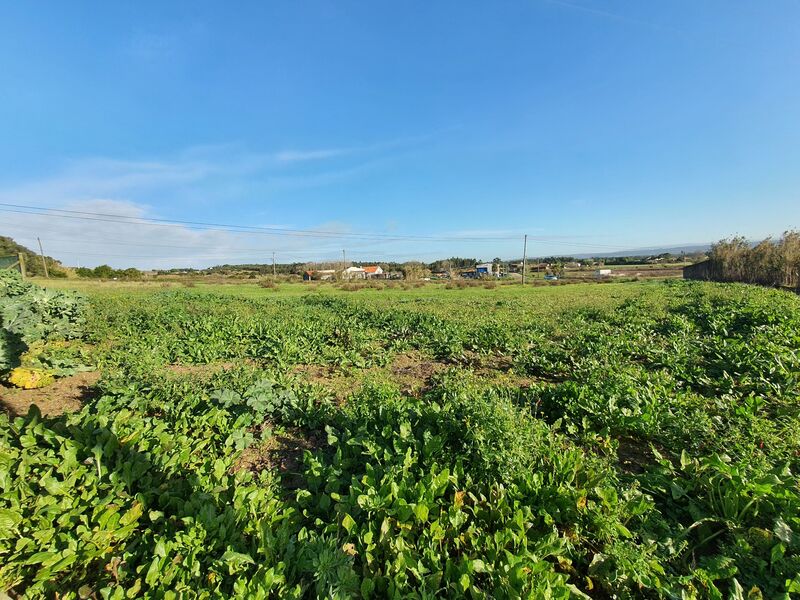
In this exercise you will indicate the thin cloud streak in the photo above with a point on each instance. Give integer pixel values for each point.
(289, 156)
(612, 16)
(102, 177)
(303, 155)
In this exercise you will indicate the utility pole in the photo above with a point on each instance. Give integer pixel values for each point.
(344, 262)
(524, 258)
(273, 265)
(44, 263)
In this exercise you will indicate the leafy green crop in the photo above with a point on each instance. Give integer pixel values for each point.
(641, 441)
(29, 314)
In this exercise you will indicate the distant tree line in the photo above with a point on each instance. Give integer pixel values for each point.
(553, 260)
(774, 263)
(106, 272)
(452, 263)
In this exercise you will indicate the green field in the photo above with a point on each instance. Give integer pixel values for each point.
(630, 440)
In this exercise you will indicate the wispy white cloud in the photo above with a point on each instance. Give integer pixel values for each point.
(150, 46)
(606, 14)
(156, 46)
(290, 156)
(135, 187)
(199, 176)
(302, 155)
(107, 177)
(128, 240)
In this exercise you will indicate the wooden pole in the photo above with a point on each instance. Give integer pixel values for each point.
(273, 266)
(44, 262)
(524, 258)
(21, 258)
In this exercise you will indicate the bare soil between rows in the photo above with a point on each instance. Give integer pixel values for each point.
(64, 395)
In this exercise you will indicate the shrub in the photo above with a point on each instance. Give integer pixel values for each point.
(30, 314)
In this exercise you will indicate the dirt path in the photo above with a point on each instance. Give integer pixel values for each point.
(64, 395)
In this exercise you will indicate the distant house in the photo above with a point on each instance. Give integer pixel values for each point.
(319, 275)
(484, 269)
(365, 272)
(487, 270)
(374, 272)
(602, 273)
(355, 273)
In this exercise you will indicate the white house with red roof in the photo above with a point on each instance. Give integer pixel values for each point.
(373, 271)
(366, 272)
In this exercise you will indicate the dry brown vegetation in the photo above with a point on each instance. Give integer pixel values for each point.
(774, 263)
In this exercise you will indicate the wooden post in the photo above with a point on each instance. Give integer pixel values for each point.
(44, 262)
(524, 258)
(21, 258)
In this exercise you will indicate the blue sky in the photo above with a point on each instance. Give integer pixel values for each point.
(589, 125)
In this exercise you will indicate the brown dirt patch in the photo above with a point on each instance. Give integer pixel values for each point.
(199, 370)
(410, 371)
(62, 396)
(413, 373)
(282, 452)
(635, 456)
(340, 383)
(496, 369)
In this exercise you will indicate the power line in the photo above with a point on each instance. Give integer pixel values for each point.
(93, 242)
(228, 251)
(308, 234)
(328, 258)
(231, 228)
(207, 226)
(104, 241)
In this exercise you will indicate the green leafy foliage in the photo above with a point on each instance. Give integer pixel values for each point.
(643, 442)
(30, 314)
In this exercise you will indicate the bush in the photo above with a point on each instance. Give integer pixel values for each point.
(29, 313)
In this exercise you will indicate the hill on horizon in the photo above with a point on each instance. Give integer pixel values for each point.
(650, 251)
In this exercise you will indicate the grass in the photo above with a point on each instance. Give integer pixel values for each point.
(584, 291)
